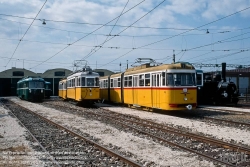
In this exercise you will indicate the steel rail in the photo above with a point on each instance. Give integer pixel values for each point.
(172, 130)
(186, 134)
(179, 132)
(169, 142)
(44, 149)
(228, 121)
(223, 110)
(106, 150)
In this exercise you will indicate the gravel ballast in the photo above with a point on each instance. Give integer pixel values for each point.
(145, 150)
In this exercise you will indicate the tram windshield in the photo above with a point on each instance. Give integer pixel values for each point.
(36, 84)
(180, 79)
(92, 81)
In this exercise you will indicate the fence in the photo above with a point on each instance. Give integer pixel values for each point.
(244, 94)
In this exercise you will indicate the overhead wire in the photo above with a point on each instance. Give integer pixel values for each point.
(109, 33)
(223, 56)
(118, 47)
(98, 24)
(25, 33)
(181, 33)
(132, 36)
(89, 34)
(130, 25)
(219, 42)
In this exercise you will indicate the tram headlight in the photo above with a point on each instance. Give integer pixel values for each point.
(189, 107)
(30, 90)
(225, 94)
(41, 90)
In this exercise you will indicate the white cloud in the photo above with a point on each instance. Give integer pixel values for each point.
(216, 8)
(171, 14)
(186, 7)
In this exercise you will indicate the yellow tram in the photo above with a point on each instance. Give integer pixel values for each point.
(63, 88)
(165, 87)
(81, 86)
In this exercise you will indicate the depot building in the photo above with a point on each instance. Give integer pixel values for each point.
(10, 77)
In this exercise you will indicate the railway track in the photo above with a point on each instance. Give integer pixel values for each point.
(227, 121)
(206, 147)
(235, 110)
(63, 146)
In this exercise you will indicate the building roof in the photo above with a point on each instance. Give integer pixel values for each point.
(21, 72)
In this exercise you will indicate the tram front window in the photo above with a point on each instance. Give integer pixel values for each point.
(36, 84)
(181, 79)
(90, 82)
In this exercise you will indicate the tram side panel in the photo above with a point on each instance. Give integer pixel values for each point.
(104, 90)
(115, 95)
(115, 88)
(104, 94)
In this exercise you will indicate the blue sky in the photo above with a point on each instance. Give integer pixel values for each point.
(84, 30)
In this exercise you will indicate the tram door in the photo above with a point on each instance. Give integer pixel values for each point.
(156, 90)
(135, 89)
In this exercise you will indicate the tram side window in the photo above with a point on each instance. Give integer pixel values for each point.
(103, 83)
(119, 82)
(169, 79)
(100, 83)
(125, 81)
(78, 81)
(147, 79)
(111, 83)
(135, 81)
(163, 78)
(106, 83)
(115, 83)
(130, 81)
(141, 80)
(158, 80)
(83, 81)
(96, 81)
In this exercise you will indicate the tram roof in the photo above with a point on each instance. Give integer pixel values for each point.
(29, 78)
(142, 69)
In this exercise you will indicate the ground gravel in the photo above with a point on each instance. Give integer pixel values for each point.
(145, 150)
(15, 150)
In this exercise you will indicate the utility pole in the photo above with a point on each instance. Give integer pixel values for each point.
(127, 64)
(120, 67)
(173, 57)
